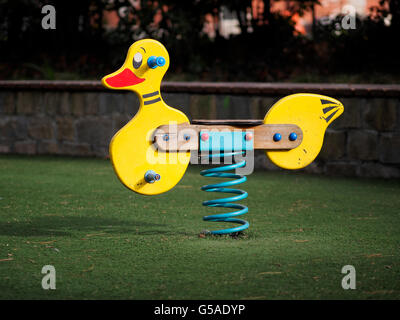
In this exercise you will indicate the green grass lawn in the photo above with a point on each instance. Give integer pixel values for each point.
(107, 242)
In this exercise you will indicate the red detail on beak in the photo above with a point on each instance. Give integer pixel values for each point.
(125, 78)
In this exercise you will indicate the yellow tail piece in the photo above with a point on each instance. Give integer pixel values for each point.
(313, 113)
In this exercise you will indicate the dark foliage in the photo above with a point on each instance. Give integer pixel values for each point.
(267, 49)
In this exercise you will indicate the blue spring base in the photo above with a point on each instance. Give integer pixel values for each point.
(226, 202)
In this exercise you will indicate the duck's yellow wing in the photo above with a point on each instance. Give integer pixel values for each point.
(133, 154)
(313, 113)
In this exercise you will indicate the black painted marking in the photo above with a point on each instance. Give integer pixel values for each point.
(323, 101)
(151, 94)
(152, 101)
(305, 151)
(325, 110)
(330, 116)
(143, 49)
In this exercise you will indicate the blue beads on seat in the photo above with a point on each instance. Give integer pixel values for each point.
(293, 136)
(277, 137)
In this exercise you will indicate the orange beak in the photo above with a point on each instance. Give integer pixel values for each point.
(125, 78)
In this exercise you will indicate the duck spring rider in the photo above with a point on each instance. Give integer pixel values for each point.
(150, 154)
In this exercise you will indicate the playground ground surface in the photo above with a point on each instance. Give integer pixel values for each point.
(107, 242)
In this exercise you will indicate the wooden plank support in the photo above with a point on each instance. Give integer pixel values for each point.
(185, 136)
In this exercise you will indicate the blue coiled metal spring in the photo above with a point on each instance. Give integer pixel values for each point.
(226, 202)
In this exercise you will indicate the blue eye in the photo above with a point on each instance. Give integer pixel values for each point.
(137, 60)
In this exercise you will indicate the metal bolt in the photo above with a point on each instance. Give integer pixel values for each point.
(150, 176)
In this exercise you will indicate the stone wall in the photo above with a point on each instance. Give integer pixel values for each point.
(364, 141)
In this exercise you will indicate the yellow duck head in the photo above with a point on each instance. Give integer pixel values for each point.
(313, 113)
(144, 67)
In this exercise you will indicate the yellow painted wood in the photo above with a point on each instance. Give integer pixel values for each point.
(131, 149)
(313, 113)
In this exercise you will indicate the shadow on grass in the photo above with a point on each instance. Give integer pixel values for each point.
(69, 226)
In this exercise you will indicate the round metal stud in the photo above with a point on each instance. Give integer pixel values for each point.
(293, 136)
(277, 137)
(204, 136)
(248, 136)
